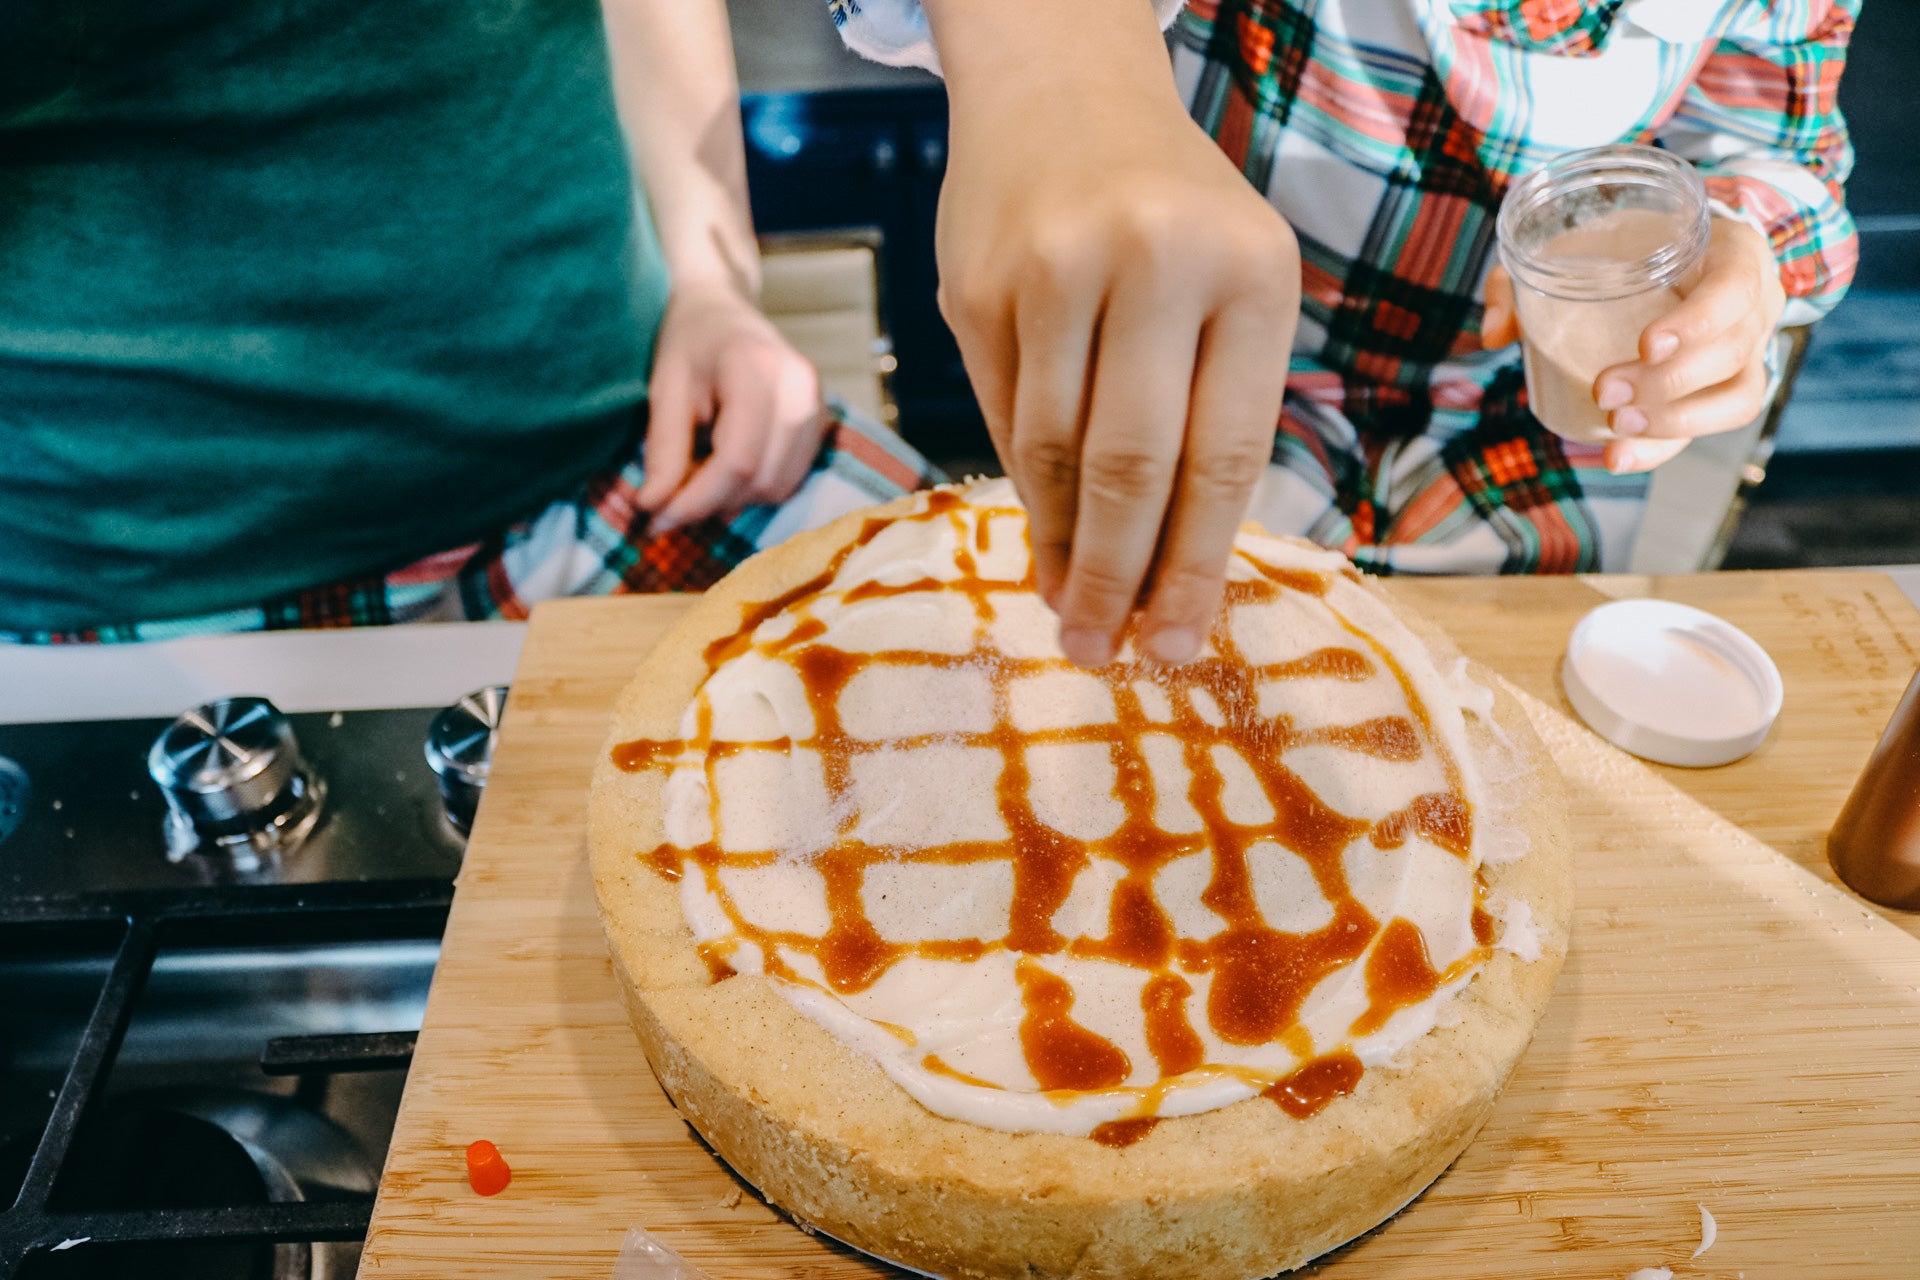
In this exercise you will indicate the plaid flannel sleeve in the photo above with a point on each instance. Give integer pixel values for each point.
(895, 32)
(1569, 28)
(1762, 121)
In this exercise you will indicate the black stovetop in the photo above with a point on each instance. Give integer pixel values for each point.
(198, 1076)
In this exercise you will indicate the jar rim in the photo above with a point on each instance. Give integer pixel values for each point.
(1623, 164)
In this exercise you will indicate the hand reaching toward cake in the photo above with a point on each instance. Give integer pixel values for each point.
(1125, 303)
(722, 363)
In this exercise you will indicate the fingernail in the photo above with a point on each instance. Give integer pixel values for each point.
(1629, 422)
(661, 525)
(1086, 647)
(1614, 392)
(1663, 345)
(1623, 461)
(1174, 644)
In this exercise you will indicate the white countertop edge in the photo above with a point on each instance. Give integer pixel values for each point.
(348, 669)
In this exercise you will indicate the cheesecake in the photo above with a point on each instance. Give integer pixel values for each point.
(994, 966)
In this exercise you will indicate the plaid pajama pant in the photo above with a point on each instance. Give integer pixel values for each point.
(592, 542)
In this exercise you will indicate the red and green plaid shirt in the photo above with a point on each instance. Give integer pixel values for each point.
(1387, 132)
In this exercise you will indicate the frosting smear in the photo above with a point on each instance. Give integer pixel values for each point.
(1050, 899)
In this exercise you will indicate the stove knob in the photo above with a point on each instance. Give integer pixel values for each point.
(460, 750)
(231, 772)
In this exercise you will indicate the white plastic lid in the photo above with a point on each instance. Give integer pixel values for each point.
(1671, 683)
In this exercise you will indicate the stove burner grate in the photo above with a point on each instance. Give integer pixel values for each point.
(35, 1224)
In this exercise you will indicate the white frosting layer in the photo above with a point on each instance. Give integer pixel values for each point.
(920, 781)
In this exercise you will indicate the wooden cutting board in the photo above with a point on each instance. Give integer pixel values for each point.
(1730, 1031)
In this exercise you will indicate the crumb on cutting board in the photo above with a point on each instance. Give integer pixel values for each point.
(1709, 1231)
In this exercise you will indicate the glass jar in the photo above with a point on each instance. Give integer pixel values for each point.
(1600, 243)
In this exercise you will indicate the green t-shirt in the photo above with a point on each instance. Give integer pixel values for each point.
(297, 290)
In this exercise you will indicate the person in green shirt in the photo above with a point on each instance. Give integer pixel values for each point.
(351, 311)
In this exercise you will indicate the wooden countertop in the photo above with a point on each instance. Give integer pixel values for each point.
(1846, 644)
(1728, 1031)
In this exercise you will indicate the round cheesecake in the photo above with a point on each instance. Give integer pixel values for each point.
(993, 966)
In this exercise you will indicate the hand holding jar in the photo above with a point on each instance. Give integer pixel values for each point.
(1646, 322)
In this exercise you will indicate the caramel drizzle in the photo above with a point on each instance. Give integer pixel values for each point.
(1260, 975)
(1123, 1133)
(1310, 1087)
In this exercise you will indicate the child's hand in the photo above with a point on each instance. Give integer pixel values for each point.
(1125, 302)
(719, 361)
(1702, 367)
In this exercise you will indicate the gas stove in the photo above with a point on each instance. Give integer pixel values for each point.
(220, 909)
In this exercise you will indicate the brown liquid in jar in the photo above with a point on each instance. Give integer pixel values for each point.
(1260, 975)
(1875, 843)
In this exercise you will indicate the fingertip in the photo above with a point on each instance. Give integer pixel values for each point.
(1493, 327)
(1086, 647)
(1612, 393)
(659, 486)
(1173, 644)
(687, 506)
(1630, 457)
(1498, 324)
(1049, 577)
(660, 476)
(1182, 610)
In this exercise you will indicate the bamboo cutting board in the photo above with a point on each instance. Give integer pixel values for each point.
(1730, 1032)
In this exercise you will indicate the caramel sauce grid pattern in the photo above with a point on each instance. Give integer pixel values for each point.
(1260, 975)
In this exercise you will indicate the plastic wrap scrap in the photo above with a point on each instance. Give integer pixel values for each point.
(642, 1257)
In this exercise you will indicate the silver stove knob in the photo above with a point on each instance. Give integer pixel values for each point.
(460, 750)
(234, 782)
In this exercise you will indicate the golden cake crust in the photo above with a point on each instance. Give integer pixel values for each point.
(1242, 1191)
